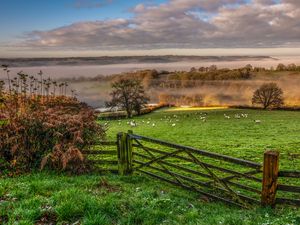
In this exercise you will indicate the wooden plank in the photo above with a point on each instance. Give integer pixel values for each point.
(209, 165)
(122, 154)
(201, 152)
(203, 184)
(203, 174)
(291, 174)
(253, 172)
(215, 177)
(99, 152)
(129, 156)
(193, 189)
(158, 159)
(104, 171)
(270, 176)
(106, 162)
(288, 188)
(109, 143)
(176, 166)
(288, 201)
(242, 186)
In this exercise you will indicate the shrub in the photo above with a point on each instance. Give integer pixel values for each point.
(51, 134)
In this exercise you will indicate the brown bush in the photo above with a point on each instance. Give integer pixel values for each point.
(49, 133)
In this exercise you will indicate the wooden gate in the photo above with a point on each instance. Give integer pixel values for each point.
(235, 181)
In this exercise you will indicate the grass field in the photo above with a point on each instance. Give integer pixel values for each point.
(93, 199)
(242, 138)
(42, 198)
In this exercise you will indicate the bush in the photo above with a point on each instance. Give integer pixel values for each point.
(47, 133)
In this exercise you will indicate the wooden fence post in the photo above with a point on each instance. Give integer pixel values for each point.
(124, 153)
(270, 176)
(129, 152)
(120, 141)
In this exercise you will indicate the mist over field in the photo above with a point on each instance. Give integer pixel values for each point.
(78, 71)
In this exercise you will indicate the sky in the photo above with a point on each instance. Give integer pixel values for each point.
(57, 28)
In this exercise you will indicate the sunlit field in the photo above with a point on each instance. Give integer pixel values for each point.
(223, 131)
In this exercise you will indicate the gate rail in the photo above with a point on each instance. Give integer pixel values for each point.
(232, 180)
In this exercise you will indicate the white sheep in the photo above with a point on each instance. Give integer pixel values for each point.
(133, 123)
(226, 116)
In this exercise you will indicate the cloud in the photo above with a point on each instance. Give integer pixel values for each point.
(80, 4)
(183, 24)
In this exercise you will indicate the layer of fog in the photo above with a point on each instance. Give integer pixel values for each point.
(217, 93)
(60, 72)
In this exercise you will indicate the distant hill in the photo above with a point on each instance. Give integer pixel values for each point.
(107, 60)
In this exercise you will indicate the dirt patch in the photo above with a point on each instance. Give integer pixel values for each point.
(47, 218)
(103, 184)
(3, 219)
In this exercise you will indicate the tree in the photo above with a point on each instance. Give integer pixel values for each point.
(281, 67)
(129, 95)
(269, 96)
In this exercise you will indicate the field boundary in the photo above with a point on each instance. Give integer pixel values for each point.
(220, 177)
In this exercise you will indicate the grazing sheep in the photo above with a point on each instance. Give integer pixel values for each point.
(133, 123)
(237, 116)
(244, 115)
(173, 125)
(257, 121)
(153, 124)
(227, 117)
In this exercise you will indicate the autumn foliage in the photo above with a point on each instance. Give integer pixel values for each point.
(38, 131)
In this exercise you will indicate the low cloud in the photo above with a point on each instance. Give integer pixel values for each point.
(182, 24)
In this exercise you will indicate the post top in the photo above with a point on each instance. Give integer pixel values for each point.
(272, 152)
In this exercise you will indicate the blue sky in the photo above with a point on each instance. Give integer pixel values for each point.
(21, 16)
(117, 27)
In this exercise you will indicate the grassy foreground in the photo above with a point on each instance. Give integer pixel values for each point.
(45, 198)
(48, 198)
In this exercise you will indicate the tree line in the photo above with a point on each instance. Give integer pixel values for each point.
(129, 95)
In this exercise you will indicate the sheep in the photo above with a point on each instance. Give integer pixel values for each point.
(173, 125)
(257, 121)
(133, 123)
(227, 117)
(237, 116)
(244, 115)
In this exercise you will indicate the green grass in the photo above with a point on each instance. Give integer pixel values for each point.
(241, 138)
(137, 199)
(95, 199)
